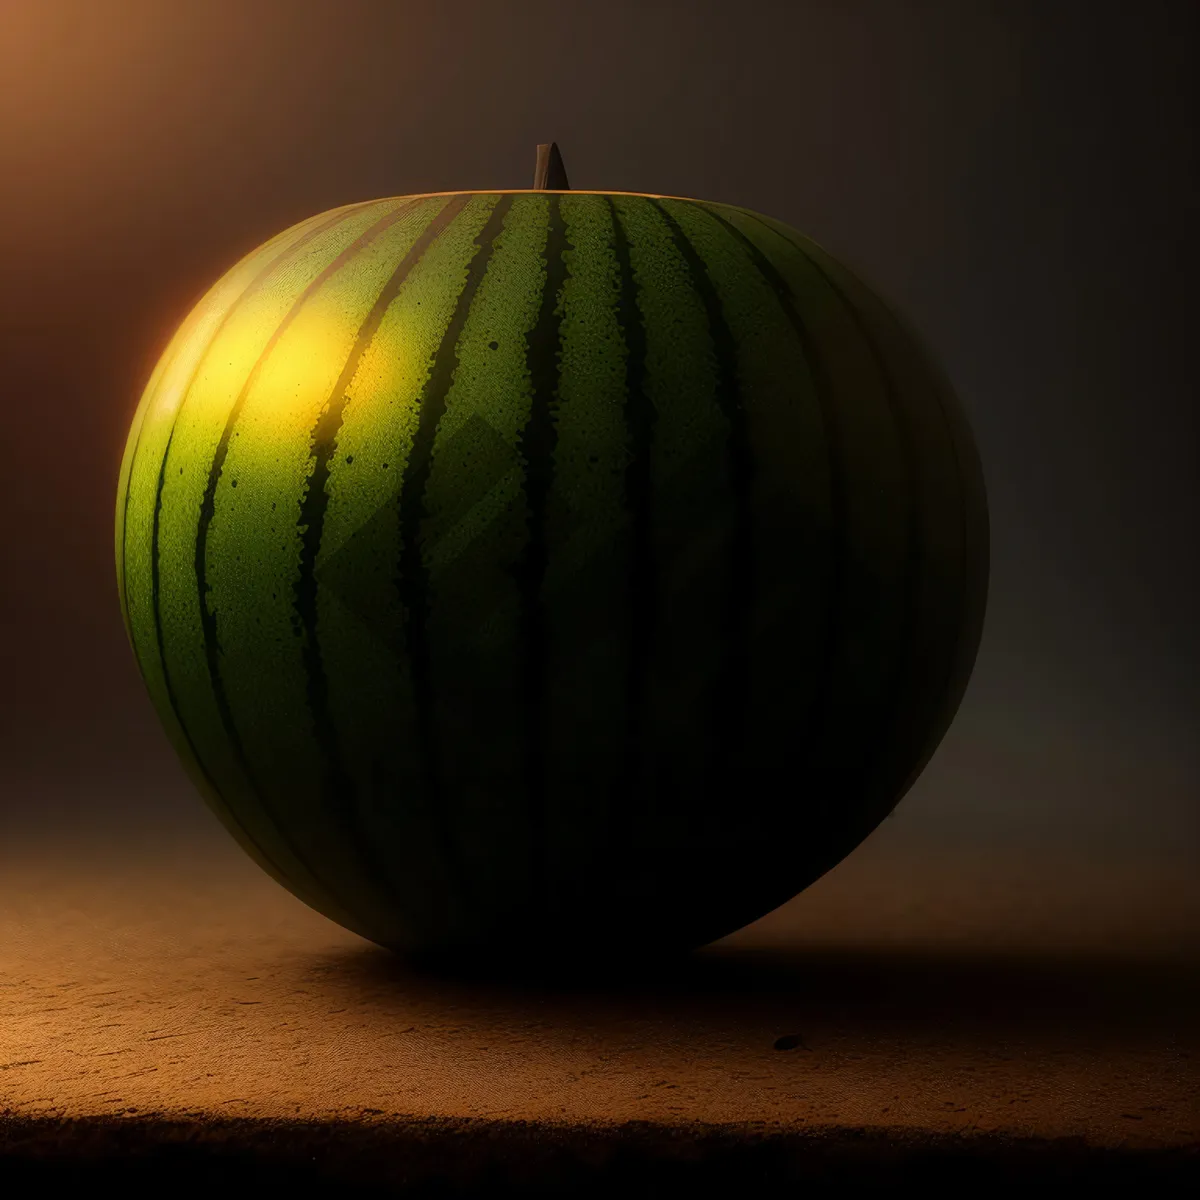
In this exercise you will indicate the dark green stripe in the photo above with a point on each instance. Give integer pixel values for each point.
(905, 661)
(964, 487)
(123, 580)
(155, 608)
(253, 285)
(729, 695)
(807, 729)
(538, 439)
(338, 788)
(208, 619)
(122, 564)
(905, 664)
(413, 580)
(639, 495)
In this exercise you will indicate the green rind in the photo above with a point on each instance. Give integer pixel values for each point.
(135, 524)
(202, 403)
(538, 535)
(474, 597)
(589, 520)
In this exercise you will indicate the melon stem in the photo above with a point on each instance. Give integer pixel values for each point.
(550, 174)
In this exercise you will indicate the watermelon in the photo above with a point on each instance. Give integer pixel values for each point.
(549, 572)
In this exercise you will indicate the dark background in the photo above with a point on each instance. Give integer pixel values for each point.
(1019, 177)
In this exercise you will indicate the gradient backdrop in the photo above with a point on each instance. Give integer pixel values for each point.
(1019, 177)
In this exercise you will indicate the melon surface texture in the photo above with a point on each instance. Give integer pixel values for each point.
(550, 572)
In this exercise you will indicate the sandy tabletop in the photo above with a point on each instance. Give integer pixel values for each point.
(923, 996)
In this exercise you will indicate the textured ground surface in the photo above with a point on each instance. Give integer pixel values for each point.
(913, 1008)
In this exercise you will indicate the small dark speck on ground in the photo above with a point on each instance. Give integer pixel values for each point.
(790, 1041)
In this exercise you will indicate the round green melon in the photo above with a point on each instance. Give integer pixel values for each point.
(549, 573)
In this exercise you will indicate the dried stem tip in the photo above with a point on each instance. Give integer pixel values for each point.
(550, 174)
